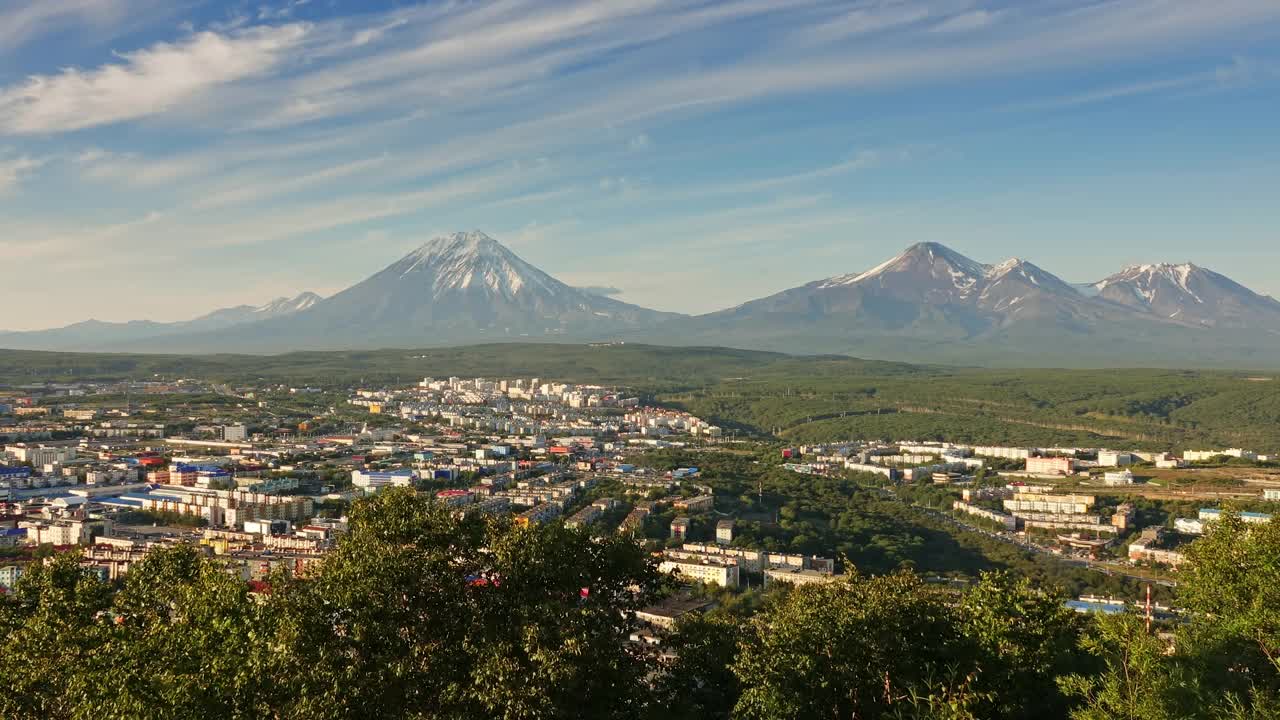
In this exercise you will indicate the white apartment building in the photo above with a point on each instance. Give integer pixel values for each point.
(1009, 522)
(41, 455)
(1009, 453)
(1053, 504)
(1051, 465)
(1112, 458)
(797, 576)
(721, 571)
(724, 532)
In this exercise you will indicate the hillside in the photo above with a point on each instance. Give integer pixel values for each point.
(800, 398)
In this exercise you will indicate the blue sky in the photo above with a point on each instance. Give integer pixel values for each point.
(160, 158)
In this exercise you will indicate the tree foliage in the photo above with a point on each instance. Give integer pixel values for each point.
(422, 614)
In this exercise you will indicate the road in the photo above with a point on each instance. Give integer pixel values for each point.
(1104, 568)
(1094, 565)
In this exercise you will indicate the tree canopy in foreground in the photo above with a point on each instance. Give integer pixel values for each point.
(420, 614)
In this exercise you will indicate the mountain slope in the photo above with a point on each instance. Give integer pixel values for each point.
(930, 302)
(927, 287)
(1192, 295)
(463, 287)
(94, 334)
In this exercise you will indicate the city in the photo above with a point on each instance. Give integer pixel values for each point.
(639, 360)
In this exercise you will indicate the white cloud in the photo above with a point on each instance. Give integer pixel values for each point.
(399, 103)
(147, 82)
(13, 170)
(22, 23)
(374, 34)
(968, 21)
(1110, 93)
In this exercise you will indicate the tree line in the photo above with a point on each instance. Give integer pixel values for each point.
(420, 614)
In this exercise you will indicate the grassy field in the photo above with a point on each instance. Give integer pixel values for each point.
(797, 399)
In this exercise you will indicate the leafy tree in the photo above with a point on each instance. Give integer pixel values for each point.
(1232, 590)
(1027, 638)
(861, 647)
(700, 682)
(1136, 681)
(187, 641)
(421, 614)
(50, 629)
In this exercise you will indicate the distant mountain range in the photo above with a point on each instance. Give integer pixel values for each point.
(97, 335)
(927, 304)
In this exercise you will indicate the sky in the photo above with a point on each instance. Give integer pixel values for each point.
(162, 158)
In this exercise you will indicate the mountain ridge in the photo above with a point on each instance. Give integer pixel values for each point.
(927, 301)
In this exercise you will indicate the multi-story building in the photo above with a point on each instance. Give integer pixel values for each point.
(1206, 455)
(1008, 522)
(455, 498)
(1008, 453)
(227, 507)
(706, 569)
(583, 517)
(488, 506)
(680, 528)
(1123, 516)
(1023, 502)
(64, 532)
(1051, 465)
(1066, 521)
(634, 521)
(373, 481)
(9, 575)
(724, 532)
(538, 514)
(41, 455)
(15, 477)
(1112, 458)
(797, 576)
(695, 504)
(1208, 515)
(1146, 548)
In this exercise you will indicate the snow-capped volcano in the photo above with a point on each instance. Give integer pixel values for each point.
(1187, 293)
(466, 261)
(462, 287)
(925, 280)
(943, 270)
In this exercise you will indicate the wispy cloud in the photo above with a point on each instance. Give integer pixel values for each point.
(968, 21)
(24, 22)
(145, 83)
(259, 134)
(13, 170)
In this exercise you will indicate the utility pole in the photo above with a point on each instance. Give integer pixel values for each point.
(1148, 608)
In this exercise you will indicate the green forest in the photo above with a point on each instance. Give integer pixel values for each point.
(800, 399)
(420, 614)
